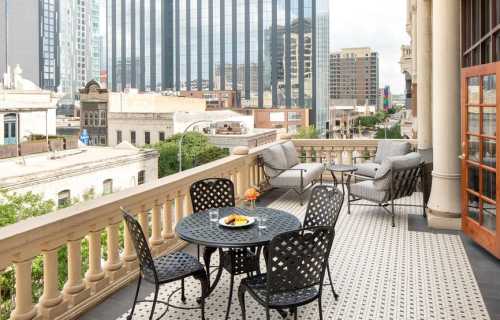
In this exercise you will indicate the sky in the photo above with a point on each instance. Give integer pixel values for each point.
(379, 24)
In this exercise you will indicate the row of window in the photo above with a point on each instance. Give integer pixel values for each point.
(133, 137)
(64, 197)
(94, 118)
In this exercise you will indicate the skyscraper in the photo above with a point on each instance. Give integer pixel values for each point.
(274, 52)
(55, 42)
(354, 75)
(29, 37)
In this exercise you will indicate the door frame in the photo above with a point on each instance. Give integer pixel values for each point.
(484, 237)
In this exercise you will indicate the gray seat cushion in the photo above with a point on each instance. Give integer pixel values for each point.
(366, 190)
(291, 178)
(383, 177)
(391, 148)
(292, 158)
(368, 169)
(274, 156)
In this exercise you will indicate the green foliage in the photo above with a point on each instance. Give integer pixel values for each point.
(15, 207)
(196, 150)
(392, 110)
(392, 133)
(367, 121)
(309, 132)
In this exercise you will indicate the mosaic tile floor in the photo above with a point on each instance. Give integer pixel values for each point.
(380, 272)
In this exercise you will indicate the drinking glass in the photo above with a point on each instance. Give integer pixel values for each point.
(214, 215)
(261, 222)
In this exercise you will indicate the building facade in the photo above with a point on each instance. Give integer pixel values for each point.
(354, 74)
(29, 36)
(274, 52)
(55, 42)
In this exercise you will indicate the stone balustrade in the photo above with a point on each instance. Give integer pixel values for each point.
(157, 205)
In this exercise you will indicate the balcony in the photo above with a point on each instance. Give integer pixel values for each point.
(380, 272)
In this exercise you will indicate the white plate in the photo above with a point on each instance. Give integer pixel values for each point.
(251, 220)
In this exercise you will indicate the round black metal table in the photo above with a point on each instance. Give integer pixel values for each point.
(198, 229)
(340, 168)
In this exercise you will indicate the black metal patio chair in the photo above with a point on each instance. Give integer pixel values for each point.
(219, 193)
(295, 271)
(323, 209)
(164, 269)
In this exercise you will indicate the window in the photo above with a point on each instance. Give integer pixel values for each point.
(161, 136)
(107, 186)
(141, 177)
(96, 119)
(63, 199)
(147, 137)
(102, 140)
(118, 136)
(132, 137)
(102, 118)
(86, 119)
(91, 119)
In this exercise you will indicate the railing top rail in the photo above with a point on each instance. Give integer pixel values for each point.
(343, 142)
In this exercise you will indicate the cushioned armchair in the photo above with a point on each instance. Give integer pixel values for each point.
(385, 149)
(396, 178)
(282, 169)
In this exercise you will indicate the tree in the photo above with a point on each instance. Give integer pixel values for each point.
(196, 150)
(309, 132)
(391, 133)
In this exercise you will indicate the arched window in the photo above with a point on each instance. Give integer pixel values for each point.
(107, 186)
(63, 199)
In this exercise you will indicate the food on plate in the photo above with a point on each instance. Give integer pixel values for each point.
(236, 220)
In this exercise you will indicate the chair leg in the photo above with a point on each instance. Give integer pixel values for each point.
(135, 298)
(231, 285)
(392, 212)
(320, 309)
(268, 313)
(348, 202)
(335, 295)
(154, 303)
(204, 292)
(183, 292)
(241, 299)
(295, 314)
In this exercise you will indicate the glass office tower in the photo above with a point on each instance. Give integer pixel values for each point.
(275, 52)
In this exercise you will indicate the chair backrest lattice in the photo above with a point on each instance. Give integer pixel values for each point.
(324, 207)
(297, 259)
(141, 246)
(212, 193)
(404, 181)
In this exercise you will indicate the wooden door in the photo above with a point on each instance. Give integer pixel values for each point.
(480, 104)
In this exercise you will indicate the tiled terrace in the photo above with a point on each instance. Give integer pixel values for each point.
(380, 272)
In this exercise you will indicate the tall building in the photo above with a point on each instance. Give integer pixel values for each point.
(274, 52)
(55, 42)
(28, 36)
(354, 74)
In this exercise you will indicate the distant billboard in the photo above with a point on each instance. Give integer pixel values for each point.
(387, 93)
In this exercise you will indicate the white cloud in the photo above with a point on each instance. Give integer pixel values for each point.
(379, 24)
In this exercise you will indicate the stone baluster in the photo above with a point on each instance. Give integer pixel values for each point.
(167, 232)
(143, 221)
(251, 175)
(257, 175)
(114, 264)
(179, 203)
(95, 276)
(75, 290)
(51, 303)
(349, 153)
(329, 151)
(129, 255)
(156, 239)
(338, 156)
(188, 208)
(243, 181)
(24, 305)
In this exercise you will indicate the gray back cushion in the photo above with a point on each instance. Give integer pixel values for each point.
(391, 148)
(292, 158)
(383, 176)
(275, 157)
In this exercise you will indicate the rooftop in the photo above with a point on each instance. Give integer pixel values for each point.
(16, 171)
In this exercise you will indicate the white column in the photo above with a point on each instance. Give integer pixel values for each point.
(424, 71)
(444, 202)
